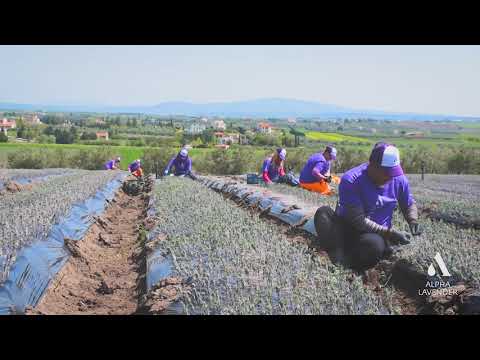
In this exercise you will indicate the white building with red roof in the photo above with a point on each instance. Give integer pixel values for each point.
(6, 125)
(264, 128)
(102, 135)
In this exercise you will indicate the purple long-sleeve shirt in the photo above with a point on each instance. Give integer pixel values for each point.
(356, 189)
(273, 171)
(134, 166)
(182, 167)
(316, 164)
(109, 165)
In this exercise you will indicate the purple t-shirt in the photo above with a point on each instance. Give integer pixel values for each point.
(273, 171)
(316, 161)
(357, 189)
(182, 167)
(109, 165)
(134, 166)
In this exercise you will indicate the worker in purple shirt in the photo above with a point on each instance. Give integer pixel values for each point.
(273, 166)
(361, 226)
(112, 164)
(315, 175)
(136, 168)
(182, 164)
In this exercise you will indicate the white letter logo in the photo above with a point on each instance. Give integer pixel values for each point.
(441, 264)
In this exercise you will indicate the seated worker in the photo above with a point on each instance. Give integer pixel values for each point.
(315, 175)
(112, 164)
(136, 168)
(182, 164)
(361, 226)
(272, 169)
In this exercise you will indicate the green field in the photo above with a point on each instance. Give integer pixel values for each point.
(334, 137)
(432, 142)
(127, 153)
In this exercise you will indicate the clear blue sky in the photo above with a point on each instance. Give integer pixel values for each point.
(425, 79)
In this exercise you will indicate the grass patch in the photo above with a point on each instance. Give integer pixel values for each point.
(334, 137)
(127, 153)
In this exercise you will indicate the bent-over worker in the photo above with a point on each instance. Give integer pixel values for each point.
(182, 164)
(136, 168)
(315, 175)
(112, 164)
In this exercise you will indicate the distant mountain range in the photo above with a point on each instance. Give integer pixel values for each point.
(261, 108)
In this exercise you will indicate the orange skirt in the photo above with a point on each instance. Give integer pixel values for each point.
(319, 187)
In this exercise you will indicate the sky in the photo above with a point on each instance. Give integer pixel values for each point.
(421, 79)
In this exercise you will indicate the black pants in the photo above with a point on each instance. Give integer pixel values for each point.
(288, 179)
(361, 251)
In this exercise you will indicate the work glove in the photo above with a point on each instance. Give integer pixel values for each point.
(399, 237)
(329, 179)
(415, 228)
(165, 173)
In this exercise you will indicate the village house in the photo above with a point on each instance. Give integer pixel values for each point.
(226, 140)
(103, 135)
(219, 125)
(222, 146)
(415, 134)
(235, 137)
(218, 134)
(31, 119)
(6, 124)
(196, 128)
(264, 128)
(292, 120)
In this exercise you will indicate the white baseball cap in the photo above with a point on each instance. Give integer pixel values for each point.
(388, 158)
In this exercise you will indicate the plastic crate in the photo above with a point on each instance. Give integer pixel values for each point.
(252, 179)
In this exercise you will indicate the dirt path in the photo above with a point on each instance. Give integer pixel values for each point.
(102, 274)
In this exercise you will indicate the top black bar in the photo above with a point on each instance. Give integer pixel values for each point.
(240, 37)
(240, 24)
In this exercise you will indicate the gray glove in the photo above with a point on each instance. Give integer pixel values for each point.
(399, 237)
(329, 179)
(415, 228)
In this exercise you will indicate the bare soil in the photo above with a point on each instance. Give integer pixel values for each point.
(103, 273)
(14, 187)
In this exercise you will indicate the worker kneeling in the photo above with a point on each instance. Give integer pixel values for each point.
(273, 169)
(182, 164)
(112, 164)
(315, 175)
(360, 230)
(136, 168)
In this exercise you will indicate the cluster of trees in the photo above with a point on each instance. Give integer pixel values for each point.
(28, 132)
(93, 159)
(88, 136)
(62, 135)
(54, 119)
